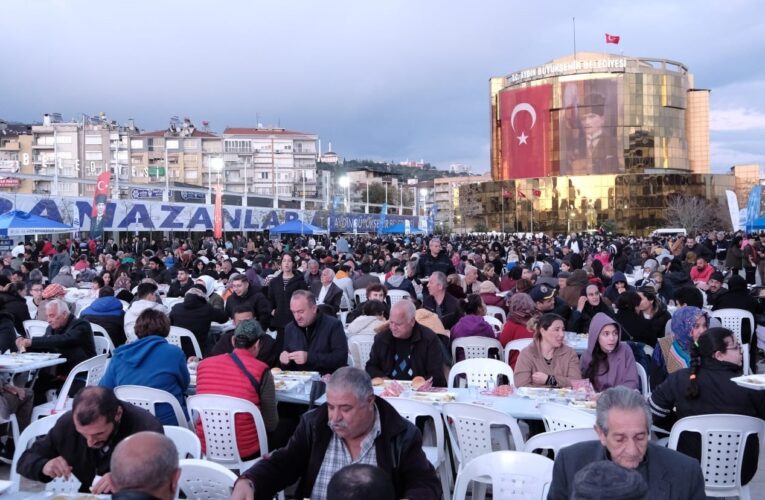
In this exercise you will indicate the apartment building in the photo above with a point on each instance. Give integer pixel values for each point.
(446, 196)
(56, 156)
(15, 158)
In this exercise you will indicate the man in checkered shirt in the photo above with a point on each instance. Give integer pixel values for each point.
(354, 426)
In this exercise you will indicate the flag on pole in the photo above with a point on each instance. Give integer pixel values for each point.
(218, 214)
(102, 191)
(612, 39)
(536, 192)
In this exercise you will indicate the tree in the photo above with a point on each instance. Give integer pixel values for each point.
(692, 213)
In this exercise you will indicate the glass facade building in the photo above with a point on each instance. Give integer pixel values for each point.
(589, 140)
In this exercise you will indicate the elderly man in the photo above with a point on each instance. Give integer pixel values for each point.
(246, 294)
(354, 426)
(360, 482)
(71, 337)
(144, 466)
(326, 292)
(446, 307)
(471, 283)
(406, 349)
(624, 429)
(82, 440)
(313, 341)
(312, 274)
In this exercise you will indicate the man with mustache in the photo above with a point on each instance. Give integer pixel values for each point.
(353, 426)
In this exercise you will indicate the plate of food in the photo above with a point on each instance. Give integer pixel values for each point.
(583, 405)
(756, 382)
(434, 397)
(287, 385)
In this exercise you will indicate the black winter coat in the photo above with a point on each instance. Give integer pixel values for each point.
(280, 298)
(74, 341)
(324, 341)
(426, 360)
(14, 304)
(195, 314)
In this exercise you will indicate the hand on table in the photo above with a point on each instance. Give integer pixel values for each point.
(103, 486)
(299, 357)
(23, 343)
(57, 467)
(539, 378)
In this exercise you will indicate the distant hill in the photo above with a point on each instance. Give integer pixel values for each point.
(426, 173)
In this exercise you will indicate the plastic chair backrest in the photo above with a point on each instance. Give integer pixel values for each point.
(205, 480)
(99, 330)
(516, 345)
(411, 410)
(360, 347)
(397, 295)
(733, 319)
(360, 296)
(645, 387)
(103, 346)
(723, 438)
(35, 327)
(218, 424)
(496, 324)
(171, 301)
(513, 474)
(35, 429)
(186, 442)
(475, 347)
(177, 333)
(496, 312)
(94, 368)
(148, 397)
(480, 372)
(555, 440)
(558, 417)
(469, 428)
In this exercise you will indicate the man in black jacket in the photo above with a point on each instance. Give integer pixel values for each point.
(195, 314)
(246, 294)
(446, 307)
(82, 440)
(181, 285)
(434, 260)
(71, 337)
(352, 419)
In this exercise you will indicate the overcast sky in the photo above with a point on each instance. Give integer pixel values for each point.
(385, 79)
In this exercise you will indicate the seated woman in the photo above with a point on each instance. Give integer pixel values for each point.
(590, 303)
(655, 311)
(634, 326)
(472, 323)
(521, 309)
(547, 361)
(151, 361)
(608, 362)
(372, 316)
(673, 353)
(705, 388)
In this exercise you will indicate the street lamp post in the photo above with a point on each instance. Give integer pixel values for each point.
(345, 183)
(215, 164)
(273, 173)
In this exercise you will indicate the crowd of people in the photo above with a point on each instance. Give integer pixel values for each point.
(295, 302)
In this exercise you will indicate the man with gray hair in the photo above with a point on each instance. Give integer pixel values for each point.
(406, 349)
(440, 302)
(623, 425)
(327, 293)
(144, 466)
(353, 426)
(69, 336)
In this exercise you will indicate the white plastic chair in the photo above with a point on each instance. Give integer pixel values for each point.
(148, 398)
(516, 345)
(177, 333)
(81, 305)
(103, 346)
(558, 417)
(99, 330)
(170, 302)
(495, 311)
(397, 296)
(186, 442)
(343, 317)
(645, 388)
(94, 369)
(35, 327)
(436, 454)
(733, 319)
(475, 347)
(35, 429)
(723, 437)
(360, 347)
(479, 372)
(218, 424)
(555, 440)
(512, 474)
(205, 480)
(360, 296)
(496, 324)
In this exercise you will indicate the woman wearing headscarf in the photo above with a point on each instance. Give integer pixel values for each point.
(590, 303)
(608, 362)
(521, 309)
(706, 388)
(673, 352)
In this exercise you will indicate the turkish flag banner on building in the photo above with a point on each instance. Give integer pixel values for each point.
(102, 191)
(218, 213)
(612, 39)
(525, 122)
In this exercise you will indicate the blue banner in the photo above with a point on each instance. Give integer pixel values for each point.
(753, 207)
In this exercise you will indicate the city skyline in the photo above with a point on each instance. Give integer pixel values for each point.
(391, 81)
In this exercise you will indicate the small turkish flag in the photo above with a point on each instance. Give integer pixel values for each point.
(507, 194)
(521, 193)
(612, 38)
(537, 192)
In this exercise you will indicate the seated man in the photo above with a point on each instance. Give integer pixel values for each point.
(326, 292)
(107, 311)
(399, 281)
(241, 375)
(624, 428)
(440, 302)
(181, 284)
(314, 341)
(406, 349)
(247, 295)
(354, 426)
(71, 337)
(360, 482)
(375, 291)
(147, 296)
(82, 440)
(145, 466)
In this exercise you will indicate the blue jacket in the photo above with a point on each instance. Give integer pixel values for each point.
(104, 306)
(151, 362)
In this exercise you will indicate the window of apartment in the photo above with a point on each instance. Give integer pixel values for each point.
(94, 155)
(264, 175)
(190, 174)
(63, 139)
(299, 147)
(191, 144)
(92, 139)
(171, 144)
(92, 168)
(238, 146)
(45, 140)
(136, 143)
